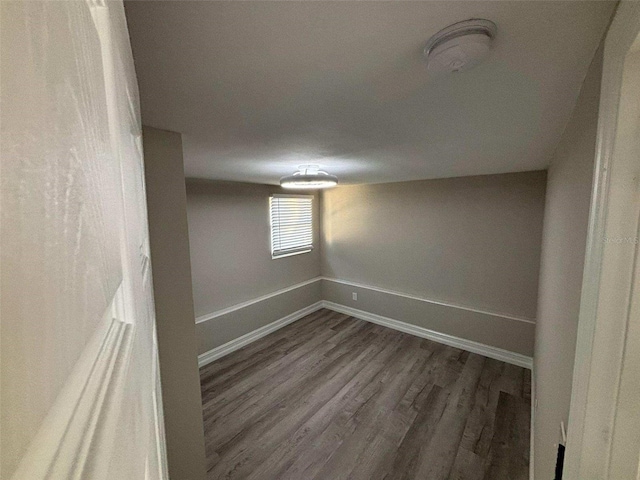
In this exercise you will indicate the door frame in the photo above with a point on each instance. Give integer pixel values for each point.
(606, 299)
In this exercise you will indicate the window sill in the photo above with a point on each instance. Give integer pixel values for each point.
(275, 257)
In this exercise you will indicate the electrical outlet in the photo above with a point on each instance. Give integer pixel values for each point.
(354, 295)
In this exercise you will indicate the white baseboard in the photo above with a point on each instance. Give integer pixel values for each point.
(237, 343)
(468, 345)
(532, 426)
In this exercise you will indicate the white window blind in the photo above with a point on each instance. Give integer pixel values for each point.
(291, 224)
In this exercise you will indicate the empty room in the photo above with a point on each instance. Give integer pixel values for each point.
(320, 240)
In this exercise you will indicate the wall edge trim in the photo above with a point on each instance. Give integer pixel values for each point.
(457, 342)
(240, 306)
(427, 300)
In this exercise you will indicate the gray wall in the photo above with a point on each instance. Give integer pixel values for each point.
(220, 330)
(470, 241)
(169, 241)
(563, 249)
(231, 259)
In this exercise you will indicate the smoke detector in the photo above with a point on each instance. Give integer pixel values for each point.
(460, 46)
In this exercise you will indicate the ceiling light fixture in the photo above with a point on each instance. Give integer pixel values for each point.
(309, 177)
(460, 46)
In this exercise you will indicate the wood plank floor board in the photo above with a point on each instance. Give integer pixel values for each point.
(479, 427)
(509, 460)
(333, 397)
(373, 415)
(289, 405)
(342, 406)
(407, 458)
(310, 461)
(270, 389)
(437, 459)
(268, 377)
(468, 466)
(290, 336)
(282, 341)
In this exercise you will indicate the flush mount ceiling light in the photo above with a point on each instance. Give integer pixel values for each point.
(309, 176)
(460, 46)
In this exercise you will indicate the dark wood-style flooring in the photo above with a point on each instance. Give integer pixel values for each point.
(332, 397)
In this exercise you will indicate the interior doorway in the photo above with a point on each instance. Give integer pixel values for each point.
(604, 423)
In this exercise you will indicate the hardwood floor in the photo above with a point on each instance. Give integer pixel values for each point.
(332, 397)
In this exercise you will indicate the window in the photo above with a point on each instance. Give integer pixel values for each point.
(291, 219)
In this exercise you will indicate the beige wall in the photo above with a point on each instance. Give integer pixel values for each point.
(470, 241)
(169, 241)
(563, 248)
(473, 242)
(230, 245)
(231, 259)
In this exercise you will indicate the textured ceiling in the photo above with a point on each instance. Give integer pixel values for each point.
(258, 88)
